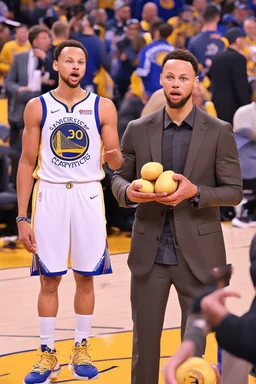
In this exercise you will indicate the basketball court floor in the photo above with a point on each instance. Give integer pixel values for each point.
(111, 332)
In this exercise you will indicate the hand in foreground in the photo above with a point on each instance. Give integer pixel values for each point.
(185, 190)
(27, 236)
(185, 351)
(136, 196)
(213, 306)
(114, 158)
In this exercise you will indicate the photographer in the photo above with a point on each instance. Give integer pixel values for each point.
(236, 335)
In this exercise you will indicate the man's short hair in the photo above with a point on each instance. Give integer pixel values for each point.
(69, 43)
(34, 31)
(60, 28)
(184, 55)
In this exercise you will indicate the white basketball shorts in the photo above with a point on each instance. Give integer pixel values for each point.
(69, 219)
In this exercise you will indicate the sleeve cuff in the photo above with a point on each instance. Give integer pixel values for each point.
(129, 204)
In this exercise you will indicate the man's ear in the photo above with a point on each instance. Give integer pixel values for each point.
(55, 66)
(161, 79)
(196, 83)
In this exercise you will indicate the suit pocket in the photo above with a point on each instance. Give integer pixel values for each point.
(139, 225)
(207, 228)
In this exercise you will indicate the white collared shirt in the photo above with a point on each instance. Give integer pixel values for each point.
(34, 75)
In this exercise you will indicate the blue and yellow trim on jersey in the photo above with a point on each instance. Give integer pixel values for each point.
(67, 108)
(44, 110)
(102, 268)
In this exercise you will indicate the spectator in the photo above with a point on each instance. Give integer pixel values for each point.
(115, 26)
(5, 33)
(208, 43)
(241, 11)
(60, 32)
(169, 8)
(100, 16)
(97, 55)
(228, 75)
(24, 81)
(43, 8)
(245, 134)
(183, 27)
(127, 57)
(11, 48)
(148, 15)
(151, 56)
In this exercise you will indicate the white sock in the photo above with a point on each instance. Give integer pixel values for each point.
(47, 328)
(83, 327)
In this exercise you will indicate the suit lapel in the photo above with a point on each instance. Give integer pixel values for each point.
(198, 134)
(155, 133)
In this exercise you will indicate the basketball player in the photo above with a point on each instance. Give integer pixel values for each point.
(66, 131)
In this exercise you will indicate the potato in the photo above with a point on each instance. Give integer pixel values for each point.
(147, 186)
(151, 171)
(165, 183)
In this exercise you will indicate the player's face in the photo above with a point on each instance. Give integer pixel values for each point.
(178, 80)
(71, 66)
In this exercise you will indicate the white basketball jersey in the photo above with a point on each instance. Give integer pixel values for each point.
(71, 146)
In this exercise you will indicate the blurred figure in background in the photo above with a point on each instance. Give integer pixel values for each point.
(30, 71)
(97, 55)
(11, 48)
(228, 75)
(152, 55)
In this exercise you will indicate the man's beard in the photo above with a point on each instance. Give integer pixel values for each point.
(178, 105)
(71, 85)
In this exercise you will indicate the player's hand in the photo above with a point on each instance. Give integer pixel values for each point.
(27, 236)
(114, 158)
(214, 305)
(185, 190)
(136, 196)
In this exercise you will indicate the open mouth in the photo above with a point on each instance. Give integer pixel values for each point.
(74, 76)
(175, 95)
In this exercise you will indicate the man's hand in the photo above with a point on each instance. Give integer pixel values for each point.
(185, 351)
(27, 236)
(114, 158)
(134, 195)
(213, 306)
(22, 89)
(39, 53)
(185, 190)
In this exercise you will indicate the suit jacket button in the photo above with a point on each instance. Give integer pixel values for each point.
(162, 212)
(157, 238)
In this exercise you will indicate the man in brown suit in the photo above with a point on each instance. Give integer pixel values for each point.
(176, 238)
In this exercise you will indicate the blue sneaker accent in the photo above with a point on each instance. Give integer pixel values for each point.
(45, 369)
(81, 364)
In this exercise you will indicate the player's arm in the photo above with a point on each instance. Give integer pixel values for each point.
(27, 163)
(109, 135)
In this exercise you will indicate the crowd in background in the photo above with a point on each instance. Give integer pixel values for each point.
(126, 42)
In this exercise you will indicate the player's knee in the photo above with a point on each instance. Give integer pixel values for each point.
(50, 284)
(84, 283)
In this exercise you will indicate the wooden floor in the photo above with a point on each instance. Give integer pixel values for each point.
(111, 344)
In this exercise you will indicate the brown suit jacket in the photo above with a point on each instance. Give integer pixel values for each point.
(212, 163)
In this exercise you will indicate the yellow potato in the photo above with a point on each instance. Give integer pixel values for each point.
(165, 183)
(151, 171)
(196, 370)
(147, 186)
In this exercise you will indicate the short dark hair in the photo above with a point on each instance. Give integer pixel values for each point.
(34, 31)
(184, 55)
(211, 12)
(69, 43)
(165, 30)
